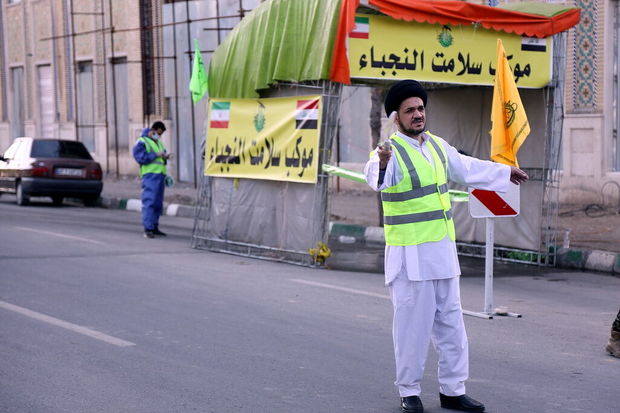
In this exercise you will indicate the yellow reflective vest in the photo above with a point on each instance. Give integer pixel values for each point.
(417, 209)
(158, 166)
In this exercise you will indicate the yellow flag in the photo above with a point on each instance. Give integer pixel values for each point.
(510, 126)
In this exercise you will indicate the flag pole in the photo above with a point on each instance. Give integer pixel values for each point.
(487, 311)
(488, 266)
(507, 135)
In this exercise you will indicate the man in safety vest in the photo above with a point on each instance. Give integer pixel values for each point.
(421, 264)
(150, 153)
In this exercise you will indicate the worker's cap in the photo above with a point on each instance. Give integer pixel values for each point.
(401, 91)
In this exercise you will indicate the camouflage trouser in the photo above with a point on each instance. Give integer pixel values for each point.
(616, 325)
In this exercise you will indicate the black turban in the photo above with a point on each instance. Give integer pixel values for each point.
(401, 91)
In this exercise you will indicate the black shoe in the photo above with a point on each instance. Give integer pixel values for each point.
(463, 403)
(156, 231)
(411, 404)
(149, 234)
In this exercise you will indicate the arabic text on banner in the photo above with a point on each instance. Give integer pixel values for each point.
(275, 139)
(383, 48)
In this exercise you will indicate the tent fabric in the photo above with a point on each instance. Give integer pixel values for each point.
(280, 40)
(295, 41)
(543, 9)
(340, 62)
(530, 19)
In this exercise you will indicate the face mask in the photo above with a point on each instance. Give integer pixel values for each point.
(155, 136)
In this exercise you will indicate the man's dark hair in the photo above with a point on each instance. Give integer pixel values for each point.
(158, 125)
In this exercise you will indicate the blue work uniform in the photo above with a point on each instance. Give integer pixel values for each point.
(152, 183)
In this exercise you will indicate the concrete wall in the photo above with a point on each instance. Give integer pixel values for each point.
(588, 136)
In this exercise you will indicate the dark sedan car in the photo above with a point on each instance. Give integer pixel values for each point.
(50, 167)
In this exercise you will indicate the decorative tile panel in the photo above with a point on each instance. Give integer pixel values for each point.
(584, 87)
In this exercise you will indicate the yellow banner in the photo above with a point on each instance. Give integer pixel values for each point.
(275, 139)
(383, 48)
(510, 125)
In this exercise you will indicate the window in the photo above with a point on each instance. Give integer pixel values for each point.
(119, 104)
(59, 149)
(17, 112)
(86, 104)
(47, 109)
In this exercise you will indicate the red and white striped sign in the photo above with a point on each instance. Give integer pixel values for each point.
(490, 204)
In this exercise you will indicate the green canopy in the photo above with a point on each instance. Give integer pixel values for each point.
(280, 40)
(300, 40)
(542, 9)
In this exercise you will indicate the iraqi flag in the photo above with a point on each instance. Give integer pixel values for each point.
(307, 115)
(533, 44)
(361, 29)
(220, 114)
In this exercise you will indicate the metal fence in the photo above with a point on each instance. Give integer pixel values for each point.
(222, 221)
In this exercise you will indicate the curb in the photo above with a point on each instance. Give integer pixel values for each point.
(593, 260)
(569, 258)
(174, 210)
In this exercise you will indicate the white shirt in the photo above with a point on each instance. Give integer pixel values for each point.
(434, 260)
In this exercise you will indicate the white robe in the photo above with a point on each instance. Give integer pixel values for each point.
(434, 260)
(423, 281)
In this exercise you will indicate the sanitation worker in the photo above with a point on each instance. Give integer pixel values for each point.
(421, 264)
(150, 153)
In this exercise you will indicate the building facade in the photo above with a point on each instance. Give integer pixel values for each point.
(100, 70)
(591, 149)
(76, 69)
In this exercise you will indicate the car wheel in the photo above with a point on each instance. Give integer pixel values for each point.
(22, 197)
(57, 200)
(91, 201)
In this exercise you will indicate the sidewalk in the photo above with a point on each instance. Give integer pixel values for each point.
(594, 233)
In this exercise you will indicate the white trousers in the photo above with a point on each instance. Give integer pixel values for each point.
(425, 311)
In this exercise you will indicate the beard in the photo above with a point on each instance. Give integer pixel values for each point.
(411, 131)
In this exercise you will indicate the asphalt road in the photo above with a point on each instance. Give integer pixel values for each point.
(95, 318)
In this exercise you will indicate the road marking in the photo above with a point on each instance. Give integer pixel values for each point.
(61, 235)
(338, 288)
(69, 326)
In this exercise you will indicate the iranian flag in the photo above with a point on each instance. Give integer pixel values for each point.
(361, 29)
(220, 114)
(307, 115)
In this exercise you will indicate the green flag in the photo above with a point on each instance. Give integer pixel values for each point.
(199, 83)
